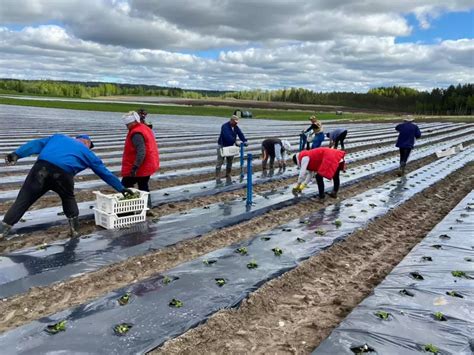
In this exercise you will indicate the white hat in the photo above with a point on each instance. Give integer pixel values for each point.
(130, 117)
(234, 117)
(286, 145)
(408, 118)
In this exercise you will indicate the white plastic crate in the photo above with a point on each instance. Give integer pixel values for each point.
(110, 209)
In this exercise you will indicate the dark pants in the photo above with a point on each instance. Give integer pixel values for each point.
(335, 179)
(340, 139)
(404, 154)
(142, 182)
(42, 178)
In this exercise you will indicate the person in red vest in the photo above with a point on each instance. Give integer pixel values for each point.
(140, 156)
(325, 163)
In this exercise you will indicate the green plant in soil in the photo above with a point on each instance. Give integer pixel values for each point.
(166, 280)
(252, 265)
(300, 240)
(220, 282)
(175, 303)
(124, 299)
(320, 231)
(363, 349)
(122, 328)
(242, 251)
(337, 223)
(352, 217)
(42, 247)
(461, 274)
(426, 258)
(454, 294)
(439, 316)
(265, 239)
(56, 328)
(363, 211)
(131, 196)
(348, 205)
(406, 293)
(437, 246)
(382, 315)
(431, 349)
(468, 259)
(277, 251)
(373, 205)
(209, 261)
(416, 275)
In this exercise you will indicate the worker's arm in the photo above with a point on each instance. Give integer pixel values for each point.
(240, 134)
(305, 175)
(33, 147)
(105, 174)
(139, 143)
(417, 133)
(278, 156)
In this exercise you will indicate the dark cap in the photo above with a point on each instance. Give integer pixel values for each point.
(85, 136)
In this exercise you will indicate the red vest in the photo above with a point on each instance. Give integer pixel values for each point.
(323, 161)
(151, 163)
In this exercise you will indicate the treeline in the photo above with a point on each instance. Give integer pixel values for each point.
(455, 100)
(92, 89)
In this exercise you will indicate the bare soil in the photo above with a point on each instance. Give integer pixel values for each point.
(36, 302)
(294, 313)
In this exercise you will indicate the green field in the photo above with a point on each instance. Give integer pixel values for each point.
(291, 115)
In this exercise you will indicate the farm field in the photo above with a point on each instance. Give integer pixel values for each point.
(302, 265)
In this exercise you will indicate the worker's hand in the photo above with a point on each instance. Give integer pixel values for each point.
(11, 159)
(298, 189)
(246, 144)
(127, 192)
(133, 173)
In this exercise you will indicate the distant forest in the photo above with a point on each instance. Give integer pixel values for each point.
(454, 100)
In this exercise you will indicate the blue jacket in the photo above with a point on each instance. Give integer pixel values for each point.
(333, 135)
(317, 140)
(229, 135)
(70, 155)
(407, 133)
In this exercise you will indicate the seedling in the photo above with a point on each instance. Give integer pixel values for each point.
(131, 196)
(416, 275)
(437, 246)
(405, 292)
(460, 274)
(373, 205)
(444, 236)
(265, 239)
(175, 303)
(220, 282)
(459, 220)
(277, 251)
(42, 247)
(352, 217)
(426, 258)
(362, 349)
(56, 328)
(439, 316)
(320, 231)
(209, 261)
(463, 215)
(166, 280)
(252, 265)
(22, 220)
(348, 205)
(430, 348)
(363, 211)
(337, 223)
(382, 315)
(468, 259)
(286, 229)
(122, 328)
(242, 251)
(124, 299)
(454, 294)
(300, 240)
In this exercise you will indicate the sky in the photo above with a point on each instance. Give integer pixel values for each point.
(320, 45)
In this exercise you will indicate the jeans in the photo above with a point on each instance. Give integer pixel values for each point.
(42, 178)
(340, 139)
(220, 161)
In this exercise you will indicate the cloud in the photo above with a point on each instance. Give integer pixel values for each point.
(322, 45)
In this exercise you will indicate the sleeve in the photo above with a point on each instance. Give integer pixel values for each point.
(417, 133)
(240, 134)
(105, 174)
(139, 143)
(304, 173)
(33, 147)
(308, 129)
(398, 127)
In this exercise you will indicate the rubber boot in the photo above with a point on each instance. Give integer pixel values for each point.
(4, 230)
(228, 177)
(73, 227)
(218, 176)
(150, 212)
(332, 194)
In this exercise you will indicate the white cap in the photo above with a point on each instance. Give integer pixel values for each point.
(130, 117)
(286, 145)
(234, 117)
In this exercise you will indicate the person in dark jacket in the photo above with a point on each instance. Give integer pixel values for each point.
(274, 148)
(313, 136)
(60, 158)
(227, 138)
(407, 133)
(142, 113)
(337, 136)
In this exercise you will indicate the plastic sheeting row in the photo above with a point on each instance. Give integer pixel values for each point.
(140, 317)
(426, 304)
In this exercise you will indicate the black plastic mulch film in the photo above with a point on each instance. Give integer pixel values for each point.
(167, 305)
(427, 300)
(30, 267)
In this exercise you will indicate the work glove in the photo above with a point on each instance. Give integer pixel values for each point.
(298, 189)
(246, 144)
(11, 159)
(127, 192)
(133, 173)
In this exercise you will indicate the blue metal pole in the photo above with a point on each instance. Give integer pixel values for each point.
(301, 142)
(249, 179)
(241, 160)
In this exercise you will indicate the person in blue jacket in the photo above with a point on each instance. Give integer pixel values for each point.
(313, 136)
(227, 138)
(407, 133)
(60, 158)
